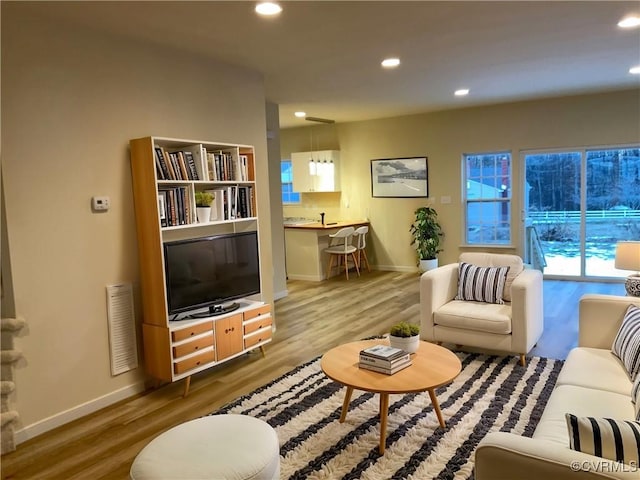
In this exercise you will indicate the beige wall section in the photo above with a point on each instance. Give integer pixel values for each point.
(585, 120)
(71, 101)
(275, 192)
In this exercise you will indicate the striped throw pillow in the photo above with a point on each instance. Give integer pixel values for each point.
(626, 345)
(481, 284)
(617, 440)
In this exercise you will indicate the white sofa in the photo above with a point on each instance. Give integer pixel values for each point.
(514, 326)
(593, 382)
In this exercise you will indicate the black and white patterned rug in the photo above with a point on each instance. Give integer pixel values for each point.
(492, 393)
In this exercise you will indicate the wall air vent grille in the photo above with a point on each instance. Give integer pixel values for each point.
(122, 328)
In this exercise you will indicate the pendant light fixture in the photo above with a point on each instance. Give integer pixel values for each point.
(313, 167)
(330, 169)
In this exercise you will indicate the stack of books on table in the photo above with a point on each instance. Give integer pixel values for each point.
(384, 359)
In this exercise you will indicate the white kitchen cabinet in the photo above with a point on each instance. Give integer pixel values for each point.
(317, 171)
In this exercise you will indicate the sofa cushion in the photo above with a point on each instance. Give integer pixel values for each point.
(481, 317)
(626, 345)
(582, 402)
(481, 284)
(617, 440)
(483, 259)
(594, 368)
(635, 396)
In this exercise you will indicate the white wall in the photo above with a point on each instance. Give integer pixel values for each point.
(71, 101)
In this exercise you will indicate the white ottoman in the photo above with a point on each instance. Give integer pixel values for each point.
(217, 447)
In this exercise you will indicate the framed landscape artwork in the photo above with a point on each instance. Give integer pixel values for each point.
(400, 177)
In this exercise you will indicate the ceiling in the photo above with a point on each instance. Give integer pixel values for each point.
(323, 57)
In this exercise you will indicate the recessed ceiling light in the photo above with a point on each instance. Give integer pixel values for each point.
(629, 22)
(462, 92)
(300, 114)
(635, 70)
(268, 8)
(390, 62)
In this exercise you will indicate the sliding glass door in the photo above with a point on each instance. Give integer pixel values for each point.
(578, 204)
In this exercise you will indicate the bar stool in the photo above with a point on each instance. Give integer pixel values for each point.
(342, 250)
(360, 235)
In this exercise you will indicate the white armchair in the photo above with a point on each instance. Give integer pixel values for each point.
(513, 326)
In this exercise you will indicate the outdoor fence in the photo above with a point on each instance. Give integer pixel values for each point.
(574, 216)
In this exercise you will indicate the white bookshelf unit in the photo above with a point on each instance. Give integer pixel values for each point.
(164, 197)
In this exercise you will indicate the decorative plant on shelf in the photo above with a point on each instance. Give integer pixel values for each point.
(203, 206)
(203, 199)
(405, 336)
(427, 235)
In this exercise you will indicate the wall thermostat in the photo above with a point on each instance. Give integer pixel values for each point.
(100, 204)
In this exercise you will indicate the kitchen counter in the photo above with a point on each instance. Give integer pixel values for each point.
(327, 226)
(304, 248)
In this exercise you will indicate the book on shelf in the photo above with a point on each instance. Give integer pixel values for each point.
(252, 202)
(217, 167)
(231, 212)
(171, 203)
(170, 173)
(174, 167)
(211, 167)
(243, 203)
(162, 211)
(242, 169)
(177, 207)
(383, 352)
(198, 154)
(161, 167)
(191, 165)
(187, 205)
(386, 370)
(224, 166)
(182, 163)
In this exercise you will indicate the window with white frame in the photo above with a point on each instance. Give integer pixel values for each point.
(286, 178)
(487, 198)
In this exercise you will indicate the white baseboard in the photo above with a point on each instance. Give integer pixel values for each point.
(308, 278)
(54, 421)
(279, 295)
(387, 268)
(395, 268)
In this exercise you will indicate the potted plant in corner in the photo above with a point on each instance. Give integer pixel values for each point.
(427, 236)
(203, 206)
(405, 336)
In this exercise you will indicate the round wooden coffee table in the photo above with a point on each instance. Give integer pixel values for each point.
(432, 367)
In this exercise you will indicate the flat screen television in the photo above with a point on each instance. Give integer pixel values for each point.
(210, 271)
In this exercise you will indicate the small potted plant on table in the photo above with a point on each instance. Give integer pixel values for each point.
(203, 206)
(406, 336)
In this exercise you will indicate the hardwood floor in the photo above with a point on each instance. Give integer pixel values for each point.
(313, 318)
